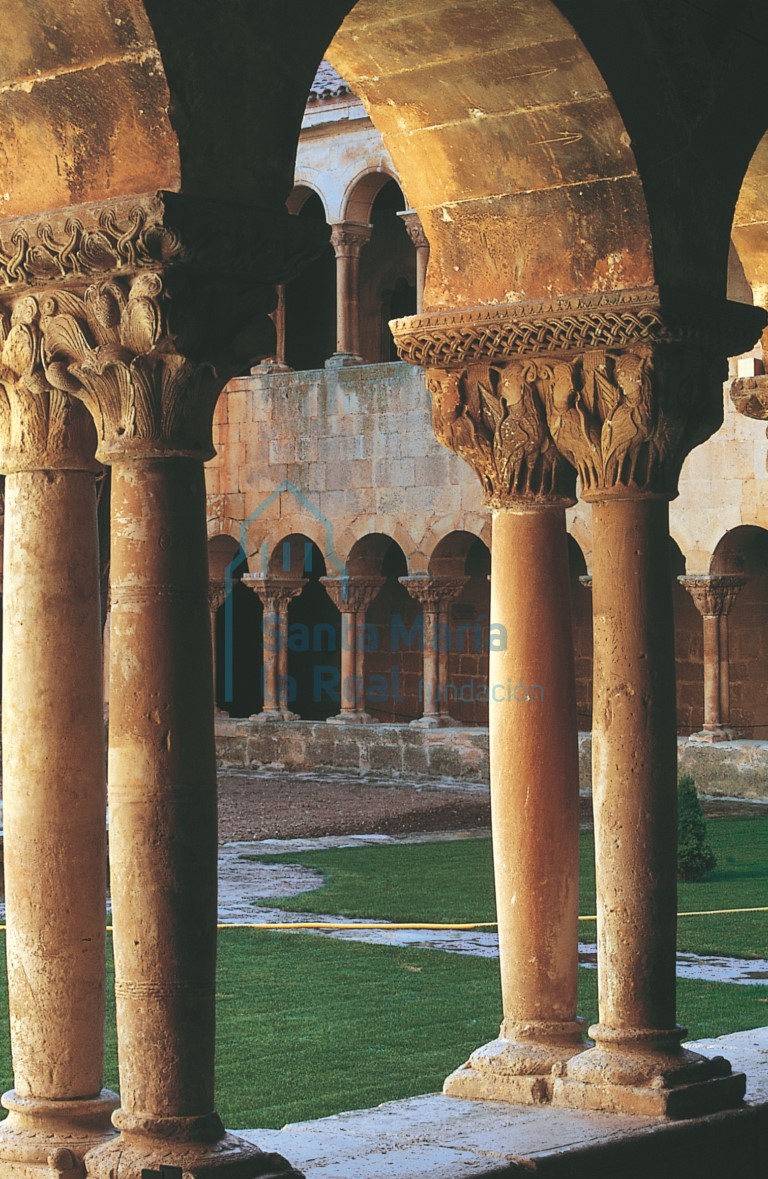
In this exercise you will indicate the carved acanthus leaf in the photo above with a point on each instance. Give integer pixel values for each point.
(714, 594)
(433, 592)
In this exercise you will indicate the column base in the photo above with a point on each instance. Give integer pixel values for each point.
(714, 735)
(200, 1147)
(351, 718)
(43, 1136)
(220, 712)
(343, 360)
(434, 722)
(518, 1069)
(648, 1074)
(264, 718)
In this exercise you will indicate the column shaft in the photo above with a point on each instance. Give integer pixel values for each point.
(162, 793)
(271, 654)
(348, 663)
(282, 660)
(713, 668)
(635, 764)
(431, 706)
(360, 661)
(534, 810)
(54, 798)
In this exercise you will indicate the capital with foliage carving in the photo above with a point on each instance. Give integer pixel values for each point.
(349, 237)
(41, 428)
(352, 593)
(144, 307)
(714, 594)
(618, 386)
(274, 592)
(433, 592)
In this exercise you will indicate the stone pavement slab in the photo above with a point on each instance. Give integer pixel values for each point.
(437, 1137)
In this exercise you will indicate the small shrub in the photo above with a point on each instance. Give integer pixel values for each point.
(694, 855)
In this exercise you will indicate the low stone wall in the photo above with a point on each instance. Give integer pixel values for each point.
(734, 768)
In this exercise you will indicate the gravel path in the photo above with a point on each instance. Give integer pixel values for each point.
(259, 804)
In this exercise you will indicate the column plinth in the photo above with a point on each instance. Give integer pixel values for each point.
(352, 595)
(54, 789)
(434, 594)
(275, 593)
(166, 299)
(713, 597)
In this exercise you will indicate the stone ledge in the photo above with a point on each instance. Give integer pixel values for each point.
(437, 1137)
(737, 769)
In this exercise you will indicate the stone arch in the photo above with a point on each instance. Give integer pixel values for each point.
(362, 191)
(750, 226)
(314, 629)
(392, 660)
(464, 554)
(301, 192)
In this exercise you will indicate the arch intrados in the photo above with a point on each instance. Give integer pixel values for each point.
(449, 556)
(361, 192)
(290, 555)
(300, 194)
(370, 555)
(223, 552)
(743, 549)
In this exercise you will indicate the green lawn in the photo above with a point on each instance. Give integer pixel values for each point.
(453, 882)
(309, 1026)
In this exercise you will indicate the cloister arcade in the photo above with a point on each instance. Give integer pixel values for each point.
(576, 169)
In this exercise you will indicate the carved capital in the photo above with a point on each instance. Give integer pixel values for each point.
(750, 396)
(348, 238)
(40, 428)
(621, 385)
(217, 592)
(350, 594)
(274, 592)
(414, 229)
(146, 306)
(714, 594)
(494, 417)
(433, 592)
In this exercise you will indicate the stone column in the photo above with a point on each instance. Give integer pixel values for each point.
(276, 594)
(415, 231)
(490, 415)
(434, 594)
(622, 385)
(713, 597)
(348, 239)
(148, 348)
(54, 789)
(216, 594)
(352, 595)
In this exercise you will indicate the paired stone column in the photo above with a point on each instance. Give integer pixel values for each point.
(622, 385)
(275, 593)
(155, 304)
(217, 592)
(713, 597)
(352, 595)
(54, 789)
(348, 239)
(415, 231)
(435, 595)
